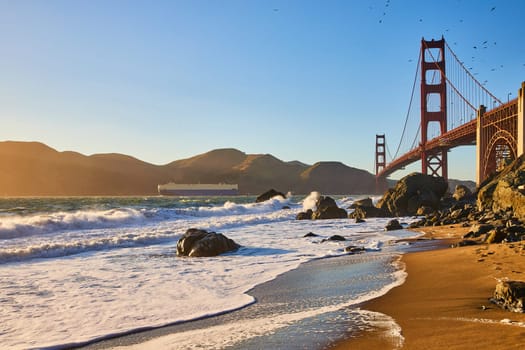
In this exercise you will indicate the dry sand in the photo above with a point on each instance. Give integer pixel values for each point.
(444, 304)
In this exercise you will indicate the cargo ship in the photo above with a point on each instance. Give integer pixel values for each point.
(174, 189)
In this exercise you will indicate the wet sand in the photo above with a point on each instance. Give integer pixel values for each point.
(315, 284)
(444, 304)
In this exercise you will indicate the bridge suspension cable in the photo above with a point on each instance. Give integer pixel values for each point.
(409, 108)
(464, 92)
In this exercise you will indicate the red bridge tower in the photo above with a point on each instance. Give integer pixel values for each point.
(433, 104)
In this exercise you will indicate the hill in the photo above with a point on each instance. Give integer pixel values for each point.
(35, 169)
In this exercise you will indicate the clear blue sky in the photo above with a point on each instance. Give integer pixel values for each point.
(302, 80)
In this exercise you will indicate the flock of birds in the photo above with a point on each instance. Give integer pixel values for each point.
(486, 44)
(477, 46)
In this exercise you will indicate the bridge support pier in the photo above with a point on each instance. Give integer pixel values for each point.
(521, 120)
(479, 141)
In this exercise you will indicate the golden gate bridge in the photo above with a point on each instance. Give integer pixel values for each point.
(454, 109)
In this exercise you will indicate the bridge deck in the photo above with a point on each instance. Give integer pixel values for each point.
(462, 135)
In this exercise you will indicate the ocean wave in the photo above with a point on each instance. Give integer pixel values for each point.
(231, 208)
(57, 249)
(23, 226)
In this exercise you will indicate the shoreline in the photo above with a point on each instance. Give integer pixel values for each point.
(444, 301)
(317, 283)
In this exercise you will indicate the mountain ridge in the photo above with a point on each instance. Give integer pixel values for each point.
(35, 169)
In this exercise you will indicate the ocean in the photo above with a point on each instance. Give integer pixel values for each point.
(75, 270)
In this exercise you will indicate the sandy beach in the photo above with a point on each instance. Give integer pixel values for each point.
(444, 300)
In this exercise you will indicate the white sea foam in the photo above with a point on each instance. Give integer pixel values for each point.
(128, 276)
(240, 330)
(310, 202)
(21, 226)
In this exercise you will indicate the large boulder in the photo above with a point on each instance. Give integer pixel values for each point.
(197, 242)
(412, 192)
(510, 295)
(505, 191)
(269, 195)
(327, 209)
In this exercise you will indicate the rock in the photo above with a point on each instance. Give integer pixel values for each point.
(496, 236)
(424, 210)
(510, 295)
(352, 249)
(199, 243)
(304, 215)
(310, 234)
(324, 203)
(285, 207)
(412, 192)
(328, 209)
(269, 195)
(462, 192)
(478, 230)
(368, 212)
(330, 213)
(393, 225)
(502, 193)
(365, 202)
(359, 220)
(334, 238)
(463, 243)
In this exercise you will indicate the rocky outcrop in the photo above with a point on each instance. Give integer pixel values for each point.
(505, 192)
(510, 295)
(269, 195)
(364, 208)
(412, 192)
(199, 243)
(327, 209)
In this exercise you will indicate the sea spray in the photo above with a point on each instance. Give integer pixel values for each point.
(310, 202)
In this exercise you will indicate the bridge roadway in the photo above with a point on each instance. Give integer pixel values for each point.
(502, 120)
(462, 135)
